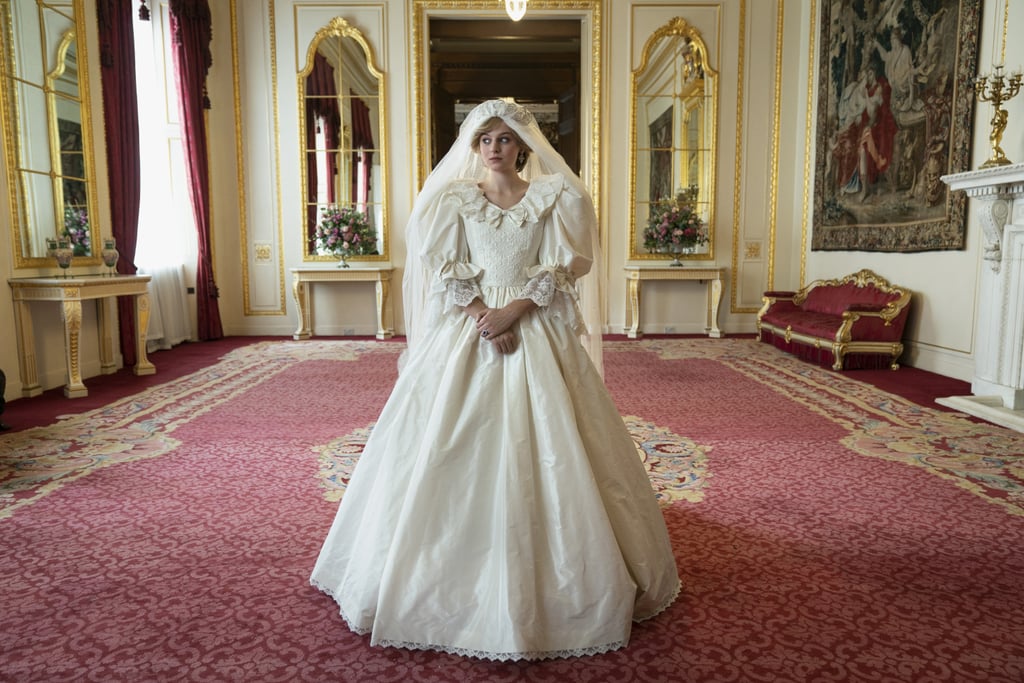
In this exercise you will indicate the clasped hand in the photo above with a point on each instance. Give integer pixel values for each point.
(494, 325)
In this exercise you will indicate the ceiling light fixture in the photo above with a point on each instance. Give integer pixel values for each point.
(516, 9)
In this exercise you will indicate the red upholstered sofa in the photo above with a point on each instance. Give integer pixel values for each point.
(853, 322)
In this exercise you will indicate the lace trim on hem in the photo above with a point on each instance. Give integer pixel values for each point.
(464, 652)
(348, 622)
(495, 656)
(664, 606)
(507, 656)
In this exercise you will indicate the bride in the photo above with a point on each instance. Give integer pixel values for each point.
(499, 509)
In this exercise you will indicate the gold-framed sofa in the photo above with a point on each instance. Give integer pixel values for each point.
(853, 322)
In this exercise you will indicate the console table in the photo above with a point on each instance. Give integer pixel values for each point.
(303, 277)
(70, 292)
(711, 276)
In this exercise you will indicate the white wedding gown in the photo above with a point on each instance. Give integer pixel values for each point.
(500, 509)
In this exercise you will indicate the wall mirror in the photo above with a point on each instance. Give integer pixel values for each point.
(673, 127)
(343, 137)
(44, 97)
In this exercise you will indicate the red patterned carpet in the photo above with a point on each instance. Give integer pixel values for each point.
(825, 530)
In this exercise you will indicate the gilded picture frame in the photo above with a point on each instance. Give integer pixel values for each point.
(894, 114)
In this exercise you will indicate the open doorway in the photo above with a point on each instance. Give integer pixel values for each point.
(537, 62)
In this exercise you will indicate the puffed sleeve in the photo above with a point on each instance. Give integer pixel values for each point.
(566, 252)
(445, 253)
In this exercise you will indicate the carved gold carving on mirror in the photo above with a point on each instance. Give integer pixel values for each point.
(343, 136)
(673, 126)
(47, 136)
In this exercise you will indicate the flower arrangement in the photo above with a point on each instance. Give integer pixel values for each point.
(76, 229)
(675, 225)
(345, 231)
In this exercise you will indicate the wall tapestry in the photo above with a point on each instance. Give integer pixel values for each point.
(895, 109)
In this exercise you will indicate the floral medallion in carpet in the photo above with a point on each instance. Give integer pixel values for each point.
(36, 462)
(982, 458)
(978, 457)
(824, 530)
(677, 467)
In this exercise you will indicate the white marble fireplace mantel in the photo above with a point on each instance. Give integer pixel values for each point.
(998, 384)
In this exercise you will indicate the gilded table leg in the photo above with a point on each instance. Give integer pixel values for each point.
(300, 291)
(107, 364)
(714, 302)
(26, 351)
(633, 308)
(384, 330)
(142, 364)
(75, 388)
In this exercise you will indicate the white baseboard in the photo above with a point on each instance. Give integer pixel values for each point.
(945, 362)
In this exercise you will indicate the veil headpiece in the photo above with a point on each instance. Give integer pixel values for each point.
(462, 162)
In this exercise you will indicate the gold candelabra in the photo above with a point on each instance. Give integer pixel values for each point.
(997, 89)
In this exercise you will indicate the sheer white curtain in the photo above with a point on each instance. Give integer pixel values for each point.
(167, 234)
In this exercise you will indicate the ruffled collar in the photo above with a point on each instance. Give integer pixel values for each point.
(536, 203)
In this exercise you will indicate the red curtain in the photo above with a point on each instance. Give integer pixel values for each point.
(362, 141)
(191, 31)
(321, 106)
(121, 122)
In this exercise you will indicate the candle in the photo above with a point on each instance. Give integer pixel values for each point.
(1006, 22)
(1000, 20)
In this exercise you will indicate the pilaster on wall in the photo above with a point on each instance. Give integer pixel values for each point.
(998, 383)
(260, 89)
(757, 131)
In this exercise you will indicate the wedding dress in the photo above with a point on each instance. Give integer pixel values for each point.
(500, 508)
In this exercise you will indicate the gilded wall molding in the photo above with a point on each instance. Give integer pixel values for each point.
(272, 31)
(737, 176)
(262, 252)
(773, 201)
(741, 242)
(808, 176)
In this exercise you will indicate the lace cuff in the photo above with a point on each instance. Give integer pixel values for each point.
(545, 281)
(540, 289)
(461, 293)
(554, 289)
(457, 283)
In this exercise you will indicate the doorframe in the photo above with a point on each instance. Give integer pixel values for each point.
(587, 11)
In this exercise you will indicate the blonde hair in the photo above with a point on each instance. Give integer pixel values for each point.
(489, 125)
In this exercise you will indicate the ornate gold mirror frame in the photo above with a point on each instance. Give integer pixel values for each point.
(47, 132)
(673, 130)
(343, 136)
